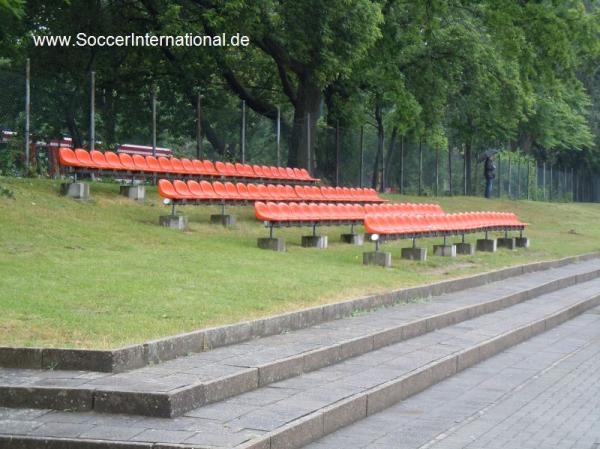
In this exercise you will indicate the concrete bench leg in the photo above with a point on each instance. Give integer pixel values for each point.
(136, 193)
(414, 254)
(173, 221)
(465, 248)
(379, 258)
(444, 250)
(223, 219)
(507, 242)
(487, 245)
(77, 190)
(314, 241)
(353, 239)
(272, 243)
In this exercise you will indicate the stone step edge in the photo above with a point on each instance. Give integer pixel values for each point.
(316, 425)
(160, 350)
(178, 402)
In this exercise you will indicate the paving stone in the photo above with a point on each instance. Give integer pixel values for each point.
(164, 436)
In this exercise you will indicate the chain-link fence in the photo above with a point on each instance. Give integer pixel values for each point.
(231, 130)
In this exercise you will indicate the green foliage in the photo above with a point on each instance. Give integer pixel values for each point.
(479, 73)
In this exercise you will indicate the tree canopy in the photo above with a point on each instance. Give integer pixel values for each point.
(512, 73)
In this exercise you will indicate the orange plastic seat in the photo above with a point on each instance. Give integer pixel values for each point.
(232, 192)
(273, 192)
(177, 166)
(140, 162)
(253, 193)
(188, 166)
(264, 192)
(208, 191)
(262, 211)
(165, 165)
(199, 167)
(166, 189)
(220, 190)
(195, 189)
(84, 159)
(99, 159)
(153, 164)
(290, 193)
(182, 189)
(258, 171)
(209, 168)
(242, 190)
(283, 174)
(66, 157)
(113, 161)
(291, 174)
(127, 162)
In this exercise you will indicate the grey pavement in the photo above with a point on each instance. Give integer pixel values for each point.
(246, 416)
(543, 393)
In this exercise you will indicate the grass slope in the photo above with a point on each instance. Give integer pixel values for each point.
(103, 274)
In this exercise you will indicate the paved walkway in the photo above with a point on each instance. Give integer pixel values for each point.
(543, 393)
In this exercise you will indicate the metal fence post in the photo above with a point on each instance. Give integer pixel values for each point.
(27, 112)
(243, 133)
(278, 136)
(92, 110)
(337, 153)
(198, 126)
(362, 154)
(308, 155)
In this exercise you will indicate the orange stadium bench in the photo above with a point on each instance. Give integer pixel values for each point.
(203, 192)
(129, 166)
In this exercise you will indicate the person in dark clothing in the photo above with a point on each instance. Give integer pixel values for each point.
(489, 171)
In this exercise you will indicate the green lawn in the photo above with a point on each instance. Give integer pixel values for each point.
(103, 273)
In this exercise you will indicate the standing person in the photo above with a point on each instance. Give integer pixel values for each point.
(489, 171)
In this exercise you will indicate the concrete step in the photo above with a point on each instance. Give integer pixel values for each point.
(296, 411)
(542, 393)
(174, 387)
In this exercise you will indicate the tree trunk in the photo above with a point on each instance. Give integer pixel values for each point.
(390, 155)
(450, 170)
(468, 170)
(308, 102)
(380, 137)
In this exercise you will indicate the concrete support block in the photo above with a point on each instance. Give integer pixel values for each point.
(314, 241)
(377, 258)
(272, 243)
(224, 220)
(77, 190)
(487, 245)
(465, 248)
(414, 254)
(136, 192)
(173, 221)
(353, 239)
(444, 250)
(523, 242)
(507, 242)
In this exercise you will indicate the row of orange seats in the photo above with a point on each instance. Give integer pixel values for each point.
(109, 160)
(281, 212)
(207, 191)
(448, 223)
(295, 212)
(405, 208)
